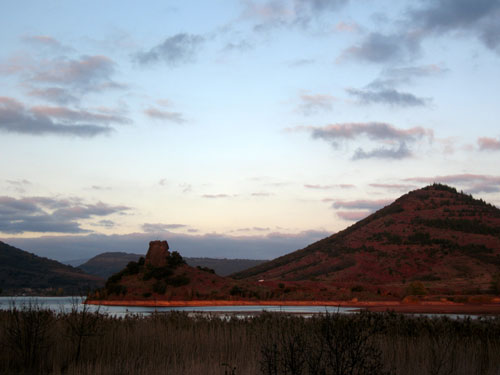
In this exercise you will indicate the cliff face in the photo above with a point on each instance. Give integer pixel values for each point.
(157, 254)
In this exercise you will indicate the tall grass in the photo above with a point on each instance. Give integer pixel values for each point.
(34, 340)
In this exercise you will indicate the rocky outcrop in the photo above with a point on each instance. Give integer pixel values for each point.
(157, 254)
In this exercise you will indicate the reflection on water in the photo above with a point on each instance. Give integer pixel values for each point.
(66, 304)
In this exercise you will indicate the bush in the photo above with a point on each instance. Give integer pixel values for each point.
(416, 288)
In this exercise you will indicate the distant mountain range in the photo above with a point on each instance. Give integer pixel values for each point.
(433, 240)
(25, 273)
(106, 264)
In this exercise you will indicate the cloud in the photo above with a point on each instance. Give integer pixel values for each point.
(216, 196)
(158, 228)
(157, 114)
(88, 73)
(300, 62)
(46, 41)
(53, 94)
(381, 133)
(319, 187)
(175, 50)
(391, 97)
(272, 14)
(19, 185)
(402, 187)
(401, 152)
(104, 224)
(15, 118)
(261, 194)
(480, 18)
(313, 103)
(488, 144)
(63, 113)
(473, 183)
(242, 45)
(49, 215)
(396, 76)
(362, 204)
(382, 48)
(353, 215)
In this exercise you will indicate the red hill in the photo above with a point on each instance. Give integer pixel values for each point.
(447, 240)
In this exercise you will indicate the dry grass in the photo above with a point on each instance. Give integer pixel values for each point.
(34, 340)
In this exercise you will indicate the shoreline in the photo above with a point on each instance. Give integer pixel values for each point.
(423, 307)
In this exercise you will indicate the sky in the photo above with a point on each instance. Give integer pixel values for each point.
(237, 128)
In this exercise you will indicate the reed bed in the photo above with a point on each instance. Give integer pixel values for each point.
(34, 340)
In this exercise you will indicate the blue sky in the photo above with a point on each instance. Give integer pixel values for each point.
(237, 128)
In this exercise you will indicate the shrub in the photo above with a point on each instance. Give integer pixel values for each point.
(416, 288)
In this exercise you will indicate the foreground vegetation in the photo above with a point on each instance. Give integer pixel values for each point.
(34, 340)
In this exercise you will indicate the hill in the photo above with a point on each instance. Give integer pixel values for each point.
(166, 275)
(23, 272)
(446, 241)
(106, 264)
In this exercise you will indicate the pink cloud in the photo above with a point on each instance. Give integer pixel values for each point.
(486, 144)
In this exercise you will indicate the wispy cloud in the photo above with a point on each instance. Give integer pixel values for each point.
(66, 114)
(313, 103)
(159, 227)
(174, 50)
(391, 97)
(163, 115)
(216, 196)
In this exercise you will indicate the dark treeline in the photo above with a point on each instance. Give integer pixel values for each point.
(34, 340)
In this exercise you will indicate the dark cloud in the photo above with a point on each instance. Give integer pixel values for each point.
(391, 97)
(313, 103)
(49, 215)
(362, 204)
(104, 224)
(15, 118)
(158, 227)
(472, 183)
(210, 245)
(382, 133)
(479, 18)
(157, 114)
(488, 144)
(174, 50)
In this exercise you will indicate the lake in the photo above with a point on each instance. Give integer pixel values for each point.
(65, 304)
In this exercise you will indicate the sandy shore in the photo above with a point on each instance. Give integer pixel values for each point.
(424, 307)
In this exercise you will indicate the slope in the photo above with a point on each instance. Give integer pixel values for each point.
(23, 272)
